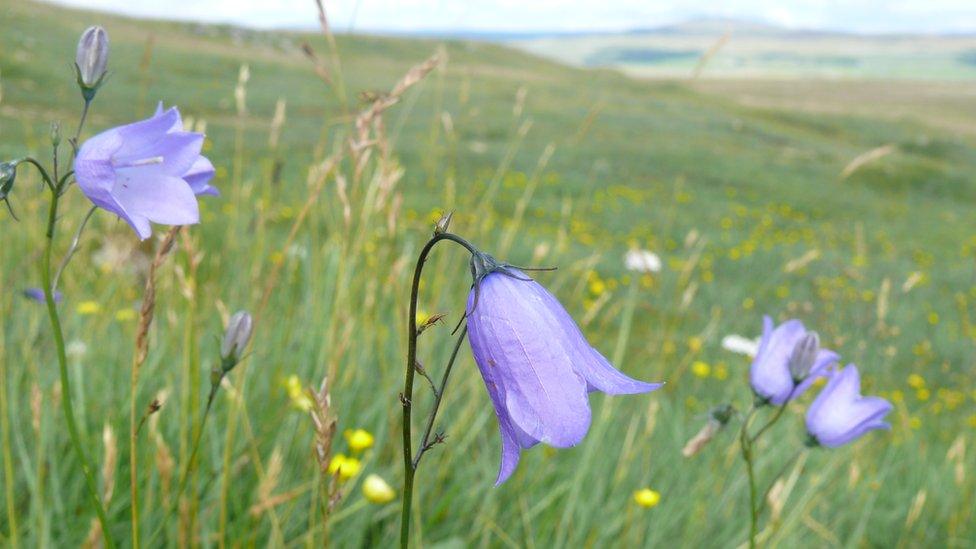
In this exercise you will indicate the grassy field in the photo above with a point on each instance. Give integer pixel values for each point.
(736, 185)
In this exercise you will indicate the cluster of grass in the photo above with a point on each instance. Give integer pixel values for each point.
(543, 164)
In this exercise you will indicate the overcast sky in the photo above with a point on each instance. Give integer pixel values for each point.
(871, 16)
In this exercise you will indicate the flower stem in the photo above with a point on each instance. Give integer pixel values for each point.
(174, 504)
(409, 466)
(66, 404)
(745, 443)
(73, 248)
(425, 443)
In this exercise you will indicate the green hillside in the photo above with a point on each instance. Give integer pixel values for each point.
(743, 199)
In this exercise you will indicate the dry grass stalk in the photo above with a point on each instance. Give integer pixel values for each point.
(796, 264)
(866, 158)
(36, 403)
(146, 314)
(240, 91)
(883, 294)
(708, 55)
(957, 454)
(265, 498)
(325, 421)
(109, 463)
(369, 123)
(277, 123)
(320, 69)
(318, 174)
(705, 435)
(915, 511)
(165, 463)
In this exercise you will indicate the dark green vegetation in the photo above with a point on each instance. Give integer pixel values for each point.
(737, 188)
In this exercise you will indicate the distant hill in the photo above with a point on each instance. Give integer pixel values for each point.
(745, 49)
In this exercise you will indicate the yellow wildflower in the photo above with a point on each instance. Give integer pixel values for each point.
(376, 490)
(358, 439)
(345, 467)
(694, 344)
(916, 381)
(296, 392)
(123, 315)
(88, 307)
(647, 498)
(701, 369)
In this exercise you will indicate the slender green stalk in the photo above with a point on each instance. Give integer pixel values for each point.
(66, 404)
(745, 443)
(409, 467)
(81, 124)
(13, 536)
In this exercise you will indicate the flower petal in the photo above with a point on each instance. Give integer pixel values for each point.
(200, 175)
(770, 374)
(599, 374)
(159, 198)
(139, 138)
(513, 438)
(543, 395)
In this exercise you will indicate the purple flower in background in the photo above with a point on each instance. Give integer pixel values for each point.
(146, 171)
(536, 364)
(788, 361)
(37, 294)
(840, 414)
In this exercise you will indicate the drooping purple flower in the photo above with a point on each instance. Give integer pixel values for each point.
(536, 364)
(37, 294)
(840, 414)
(785, 354)
(146, 171)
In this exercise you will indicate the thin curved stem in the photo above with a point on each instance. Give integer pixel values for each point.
(41, 170)
(66, 404)
(776, 416)
(409, 468)
(425, 443)
(189, 466)
(81, 124)
(72, 249)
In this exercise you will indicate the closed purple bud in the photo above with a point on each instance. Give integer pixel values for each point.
(146, 171)
(236, 338)
(840, 414)
(536, 364)
(91, 58)
(771, 375)
(804, 356)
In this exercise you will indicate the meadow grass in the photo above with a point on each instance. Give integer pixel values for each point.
(542, 164)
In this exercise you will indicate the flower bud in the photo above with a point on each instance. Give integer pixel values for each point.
(236, 337)
(8, 173)
(803, 356)
(444, 223)
(376, 490)
(718, 417)
(91, 60)
(56, 133)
